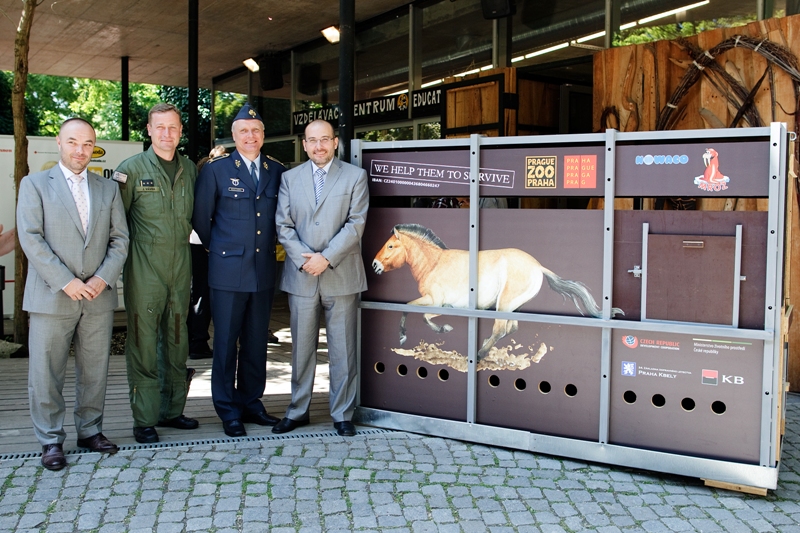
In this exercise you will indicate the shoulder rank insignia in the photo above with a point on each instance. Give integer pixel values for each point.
(238, 163)
(223, 156)
(270, 157)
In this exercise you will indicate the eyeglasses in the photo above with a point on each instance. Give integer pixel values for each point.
(322, 140)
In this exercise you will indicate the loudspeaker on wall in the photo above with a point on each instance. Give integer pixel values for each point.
(495, 9)
(270, 74)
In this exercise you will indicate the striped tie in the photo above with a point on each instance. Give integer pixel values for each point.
(80, 200)
(319, 183)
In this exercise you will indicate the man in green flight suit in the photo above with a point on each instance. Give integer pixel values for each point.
(158, 193)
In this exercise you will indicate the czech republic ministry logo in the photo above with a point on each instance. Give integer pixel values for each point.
(630, 341)
(712, 179)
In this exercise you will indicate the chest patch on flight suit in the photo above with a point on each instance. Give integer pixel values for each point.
(147, 185)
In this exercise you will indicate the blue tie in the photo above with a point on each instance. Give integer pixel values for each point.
(253, 173)
(319, 183)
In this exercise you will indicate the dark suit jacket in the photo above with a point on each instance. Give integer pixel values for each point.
(235, 220)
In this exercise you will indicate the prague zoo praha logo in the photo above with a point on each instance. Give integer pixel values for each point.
(540, 172)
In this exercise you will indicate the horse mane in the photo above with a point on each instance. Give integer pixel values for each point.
(421, 232)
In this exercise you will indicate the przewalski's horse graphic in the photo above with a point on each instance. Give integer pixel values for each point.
(507, 278)
(712, 179)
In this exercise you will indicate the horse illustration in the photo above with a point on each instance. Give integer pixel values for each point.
(507, 279)
(712, 179)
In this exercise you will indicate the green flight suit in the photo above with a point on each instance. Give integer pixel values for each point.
(156, 282)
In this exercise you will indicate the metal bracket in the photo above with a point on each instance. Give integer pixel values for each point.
(636, 271)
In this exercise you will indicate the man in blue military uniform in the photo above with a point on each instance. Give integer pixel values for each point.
(234, 215)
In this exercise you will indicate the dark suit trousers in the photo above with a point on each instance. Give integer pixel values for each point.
(238, 377)
(199, 317)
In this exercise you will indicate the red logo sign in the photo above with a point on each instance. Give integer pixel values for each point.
(710, 377)
(580, 171)
(712, 179)
(630, 341)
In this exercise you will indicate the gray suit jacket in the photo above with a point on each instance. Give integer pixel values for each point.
(52, 237)
(333, 228)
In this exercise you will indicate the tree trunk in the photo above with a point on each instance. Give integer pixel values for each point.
(21, 47)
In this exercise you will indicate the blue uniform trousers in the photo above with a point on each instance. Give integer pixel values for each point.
(238, 376)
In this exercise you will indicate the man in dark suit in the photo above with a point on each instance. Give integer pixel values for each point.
(71, 225)
(234, 215)
(322, 209)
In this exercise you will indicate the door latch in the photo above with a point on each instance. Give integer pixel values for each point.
(636, 271)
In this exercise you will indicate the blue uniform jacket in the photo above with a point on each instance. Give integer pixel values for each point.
(235, 219)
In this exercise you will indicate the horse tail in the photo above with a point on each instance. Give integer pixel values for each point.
(578, 292)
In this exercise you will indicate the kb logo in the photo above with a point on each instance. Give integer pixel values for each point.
(733, 380)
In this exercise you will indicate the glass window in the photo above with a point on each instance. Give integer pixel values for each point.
(382, 57)
(455, 39)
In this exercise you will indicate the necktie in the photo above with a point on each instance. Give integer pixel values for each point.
(319, 183)
(253, 173)
(80, 200)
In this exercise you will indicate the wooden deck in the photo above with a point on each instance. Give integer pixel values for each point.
(16, 431)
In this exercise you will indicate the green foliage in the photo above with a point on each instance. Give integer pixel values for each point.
(647, 34)
(179, 96)
(6, 113)
(226, 105)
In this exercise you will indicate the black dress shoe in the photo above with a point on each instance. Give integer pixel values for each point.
(262, 419)
(145, 435)
(345, 429)
(98, 443)
(271, 338)
(201, 352)
(179, 422)
(53, 457)
(234, 428)
(287, 424)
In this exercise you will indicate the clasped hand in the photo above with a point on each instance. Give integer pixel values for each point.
(78, 290)
(315, 263)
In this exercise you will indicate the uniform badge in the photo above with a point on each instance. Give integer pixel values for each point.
(146, 183)
(238, 163)
(265, 166)
(235, 182)
(120, 177)
(252, 113)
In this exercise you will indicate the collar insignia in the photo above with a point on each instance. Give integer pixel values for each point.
(238, 163)
(266, 167)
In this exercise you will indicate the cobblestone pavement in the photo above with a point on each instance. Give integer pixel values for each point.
(377, 481)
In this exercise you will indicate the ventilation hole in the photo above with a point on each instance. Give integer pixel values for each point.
(402, 370)
(687, 404)
(520, 384)
(380, 368)
(494, 381)
(570, 390)
(422, 372)
(544, 387)
(718, 407)
(659, 400)
(629, 397)
(444, 375)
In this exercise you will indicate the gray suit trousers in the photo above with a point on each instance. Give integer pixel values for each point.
(50, 337)
(341, 314)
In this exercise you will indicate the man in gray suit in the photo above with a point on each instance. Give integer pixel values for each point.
(322, 209)
(71, 225)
